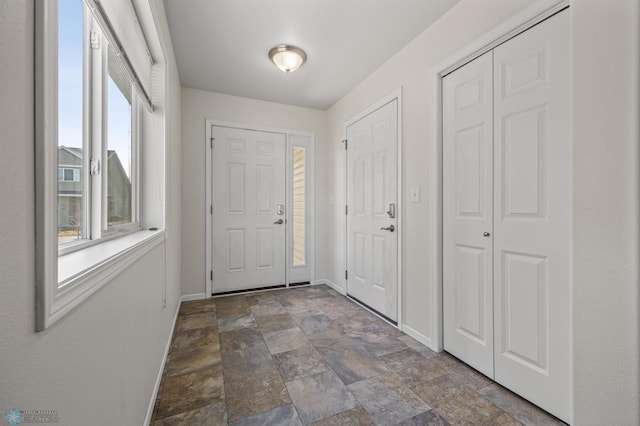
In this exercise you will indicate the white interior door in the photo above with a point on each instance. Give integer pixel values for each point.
(372, 218)
(248, 220)
(532, 215)
(511, 283)
(468, 213)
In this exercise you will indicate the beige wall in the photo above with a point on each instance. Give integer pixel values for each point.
(606, 49)
(198, 106)
(98, 364)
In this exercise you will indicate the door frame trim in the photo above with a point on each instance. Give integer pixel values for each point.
(518, 23)
(209, 123)
(395, 95)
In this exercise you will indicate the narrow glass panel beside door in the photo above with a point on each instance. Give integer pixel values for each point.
(299, 254)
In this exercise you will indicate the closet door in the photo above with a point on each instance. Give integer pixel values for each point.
(467, 213)
(532, 215)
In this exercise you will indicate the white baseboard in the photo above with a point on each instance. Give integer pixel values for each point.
(418, 336)
(331, 284)
(190, 297)
(156, 388)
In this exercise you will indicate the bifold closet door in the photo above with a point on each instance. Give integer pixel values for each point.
(468, 213)
(532, 187)
(506, 214)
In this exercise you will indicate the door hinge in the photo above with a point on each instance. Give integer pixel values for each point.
(211, 142)
(346, 209)
(346, 275)
(211, 275)
(211, 209)
(345, 142)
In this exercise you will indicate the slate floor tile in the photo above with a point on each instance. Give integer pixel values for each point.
(231, 306)
(428, 418)
(194, 339)
(194, 321)
(472, 378)
(275, 322)
(285, 340)
(240, 339)
(418, 347)
(190, 391)
(197, 307)
(456, 402)
(254, 393)
(503, 420)
(239, 363)
(387, 400)
(235, 322)
(194, 360)
(209, 415)
(266, 308)
(279, 416)
(319, 396)
(298, 363)
(314, 324)
(353, 365)
(413, 369)
(354, 417)
(517, 407)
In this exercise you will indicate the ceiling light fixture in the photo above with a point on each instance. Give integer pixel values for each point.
(287, 58)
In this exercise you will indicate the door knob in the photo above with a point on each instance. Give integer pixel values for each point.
(278, 222)
(486, 234)
(389, 228)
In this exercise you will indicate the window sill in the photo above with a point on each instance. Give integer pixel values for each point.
(83, 272)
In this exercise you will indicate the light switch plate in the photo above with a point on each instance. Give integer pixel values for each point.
(415, 194)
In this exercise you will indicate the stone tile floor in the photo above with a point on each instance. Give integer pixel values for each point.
(309, 355)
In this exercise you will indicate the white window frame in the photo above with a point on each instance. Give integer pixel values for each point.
(64, 281)
(95, 144)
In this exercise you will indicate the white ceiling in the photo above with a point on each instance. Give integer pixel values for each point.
(222, 45)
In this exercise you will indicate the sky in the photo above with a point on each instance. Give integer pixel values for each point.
(70, 42)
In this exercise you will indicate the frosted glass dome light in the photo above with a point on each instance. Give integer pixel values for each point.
(287, 58)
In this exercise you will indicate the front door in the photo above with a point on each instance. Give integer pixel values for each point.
(372, 210)
(248, 211)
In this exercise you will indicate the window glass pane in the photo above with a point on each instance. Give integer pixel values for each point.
(70, 127)
(298, 207)
(119, 194)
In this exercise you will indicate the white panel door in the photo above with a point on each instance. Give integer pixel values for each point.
(467, 213)
(372, 252)
(248, 229)
(532, 215)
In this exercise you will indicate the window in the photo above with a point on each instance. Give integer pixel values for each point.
(97, 122)
(93, 76)
(68, 175)
(299, 243)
